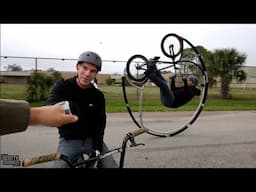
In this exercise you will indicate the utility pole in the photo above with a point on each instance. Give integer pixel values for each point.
(36, 64)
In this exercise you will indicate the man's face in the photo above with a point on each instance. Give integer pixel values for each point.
(190, 83)
(86, 73)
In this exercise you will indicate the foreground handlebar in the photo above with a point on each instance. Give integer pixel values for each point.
(139, 132)
(41, 159)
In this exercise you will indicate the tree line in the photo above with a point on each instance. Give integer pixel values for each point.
(223, 64)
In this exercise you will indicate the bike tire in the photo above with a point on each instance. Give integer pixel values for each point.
(136, 66)
(178, 48)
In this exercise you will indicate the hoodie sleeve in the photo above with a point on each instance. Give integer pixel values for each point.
(14, 116)
(57, 91)
(100, 127)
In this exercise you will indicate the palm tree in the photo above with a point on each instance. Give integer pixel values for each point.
(226, 64)
(190, 54)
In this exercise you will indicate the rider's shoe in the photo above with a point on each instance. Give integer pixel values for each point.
(151, 67)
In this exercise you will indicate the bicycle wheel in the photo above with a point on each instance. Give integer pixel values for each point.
(172, 45)
(136, 66)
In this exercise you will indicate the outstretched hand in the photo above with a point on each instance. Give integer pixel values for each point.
(52, 116)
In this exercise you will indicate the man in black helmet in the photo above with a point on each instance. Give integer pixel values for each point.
(88, 103)
(174, 96)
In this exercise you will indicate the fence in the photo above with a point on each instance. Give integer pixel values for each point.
(58, 64)
(113, 66)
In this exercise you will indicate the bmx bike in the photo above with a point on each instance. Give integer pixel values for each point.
(90, 162)
(171, 46)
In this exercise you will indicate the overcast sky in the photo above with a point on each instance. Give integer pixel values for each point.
(119, 41)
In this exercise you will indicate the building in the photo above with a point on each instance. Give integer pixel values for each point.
(14, 77)
(21, 77)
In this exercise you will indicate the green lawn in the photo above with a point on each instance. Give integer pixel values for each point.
(242, 99)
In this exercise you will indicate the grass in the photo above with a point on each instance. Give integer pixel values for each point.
(242, 99)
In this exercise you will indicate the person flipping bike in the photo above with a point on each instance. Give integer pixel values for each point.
(173, 97)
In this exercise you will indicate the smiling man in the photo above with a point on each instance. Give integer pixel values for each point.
(88, 103)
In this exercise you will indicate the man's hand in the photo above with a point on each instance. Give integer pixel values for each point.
(52, 116)
(184, 79)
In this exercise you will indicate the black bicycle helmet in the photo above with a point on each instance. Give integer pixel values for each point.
(194, 79)
(92, 58)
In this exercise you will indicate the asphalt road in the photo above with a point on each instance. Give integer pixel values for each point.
(216, 140)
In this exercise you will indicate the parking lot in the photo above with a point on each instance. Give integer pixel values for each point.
(217, 139)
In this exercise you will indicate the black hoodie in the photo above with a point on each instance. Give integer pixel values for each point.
(183, 94)
(87, 104)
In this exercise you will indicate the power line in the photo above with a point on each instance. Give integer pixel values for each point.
(63, 59)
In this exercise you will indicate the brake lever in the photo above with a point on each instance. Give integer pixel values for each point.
(133, 143)
(136, 144)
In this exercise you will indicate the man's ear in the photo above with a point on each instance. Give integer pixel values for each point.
(77, 66)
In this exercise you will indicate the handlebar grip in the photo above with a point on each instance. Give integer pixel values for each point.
(41, 159)
(138, 132)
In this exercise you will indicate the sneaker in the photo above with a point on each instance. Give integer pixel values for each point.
(151, 67)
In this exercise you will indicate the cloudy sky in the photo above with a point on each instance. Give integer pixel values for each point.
(119, 41)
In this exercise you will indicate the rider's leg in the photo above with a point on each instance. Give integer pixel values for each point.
(167, 97)
(73, 149)
(107, 162)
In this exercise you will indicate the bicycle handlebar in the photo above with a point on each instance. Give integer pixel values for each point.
(138, 132)
(41, 159)
(57, 156)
